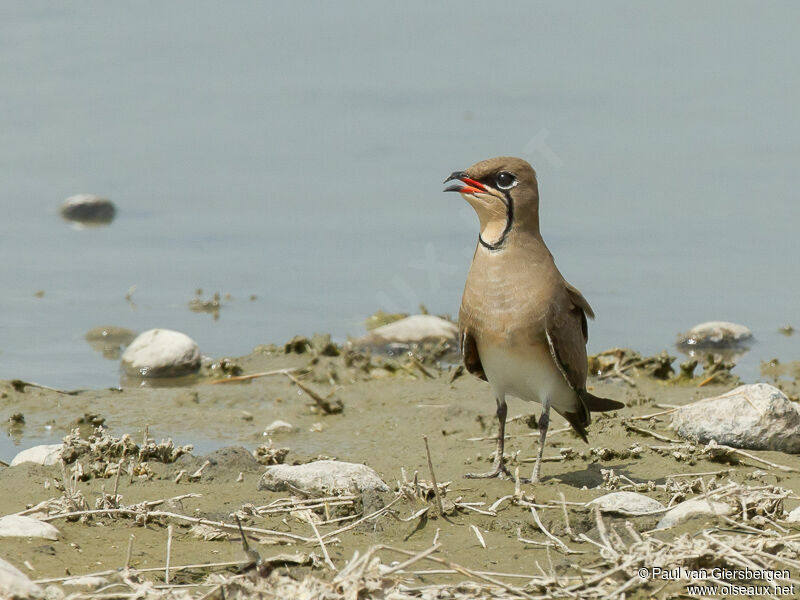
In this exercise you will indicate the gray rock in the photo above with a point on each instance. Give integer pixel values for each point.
(756, 416)
(46, 454)
(322, 476)
(88, 208)
(161, 353)
(22, 526)
(794, 516)
(715, 335)
(15, 584)
(626, 503)
(691, 508)
(413, 329)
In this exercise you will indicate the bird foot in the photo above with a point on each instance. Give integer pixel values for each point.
(498, 469)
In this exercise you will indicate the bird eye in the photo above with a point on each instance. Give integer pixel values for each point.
(505, 180)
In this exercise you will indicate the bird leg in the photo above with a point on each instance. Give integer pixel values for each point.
(498, 465)
(544, 423)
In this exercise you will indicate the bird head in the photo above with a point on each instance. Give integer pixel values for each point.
(504, 193)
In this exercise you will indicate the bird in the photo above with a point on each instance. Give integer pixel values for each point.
(521, 326)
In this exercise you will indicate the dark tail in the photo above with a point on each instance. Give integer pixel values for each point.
(581, 419)
(598, 404)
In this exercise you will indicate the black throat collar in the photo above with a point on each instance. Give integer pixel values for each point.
(500, 243)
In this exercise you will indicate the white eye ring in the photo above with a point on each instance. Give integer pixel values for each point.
(505, 180)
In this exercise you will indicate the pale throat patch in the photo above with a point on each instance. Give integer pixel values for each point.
(492, 232)
(493, 217)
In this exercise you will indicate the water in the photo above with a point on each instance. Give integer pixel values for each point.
(296, 153)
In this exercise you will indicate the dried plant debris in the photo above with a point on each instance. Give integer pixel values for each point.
(268, 454)
(208, 533)
(633, 451)
(331, 365)
(419, 490)
(617, 481)
(626, 364)
(625, 561)
(211, 305)
(692, 452)
(623, 363)
(224, 366)
(628, 564)
(102, 455)
(380, 318)
(316, 346)
(757, 507)
(329, 404)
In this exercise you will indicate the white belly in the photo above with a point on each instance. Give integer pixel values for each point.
(531, 376)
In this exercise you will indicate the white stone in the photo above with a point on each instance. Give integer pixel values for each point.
(413, 329)
(278, 427)
(88, 208)
(15, 584)
(691, 508)
(22, 526)
(46, 454)
(715, 334)
(756, 416)
(626, 503)
(794, 516)
(323, 476)
(161, 353)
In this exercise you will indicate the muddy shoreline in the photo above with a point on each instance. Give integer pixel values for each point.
(388, 405)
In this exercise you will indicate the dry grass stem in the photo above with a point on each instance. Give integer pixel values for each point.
(169, 552)
(558, 543)
(478, 535)
(647, 432)
(653, 415)
(240, 378)
(433, 477)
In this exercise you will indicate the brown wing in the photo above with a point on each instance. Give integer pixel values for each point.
(566, 331)
(586, 311)
(469, 350)
(566, 336)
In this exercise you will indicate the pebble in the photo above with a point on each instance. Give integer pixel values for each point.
(691, 508)
(413, 329)
(46, 454)
(322, 476)
(715, 335)
(88, 208)
(278, 427)
(22, 526)
(161, 353)
(756, 417)
(15, 584)
(626, 503)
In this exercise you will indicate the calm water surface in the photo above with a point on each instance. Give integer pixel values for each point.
(296, 153)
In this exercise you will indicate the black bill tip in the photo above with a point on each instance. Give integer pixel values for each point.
(456, 175)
